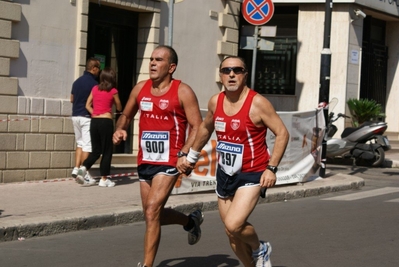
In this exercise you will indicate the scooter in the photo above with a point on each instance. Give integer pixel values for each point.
(365, 142)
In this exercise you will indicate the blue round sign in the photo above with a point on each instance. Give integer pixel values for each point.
(257, 12)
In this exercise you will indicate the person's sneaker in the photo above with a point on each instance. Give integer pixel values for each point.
(89, 180)
(75, 172)
(80, 178)
(139, 265)
(194, 235)
(106, 183)
(262, 258)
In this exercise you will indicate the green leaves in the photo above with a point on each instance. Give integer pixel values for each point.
(363, 110)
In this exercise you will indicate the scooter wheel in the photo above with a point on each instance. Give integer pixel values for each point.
(379, 158)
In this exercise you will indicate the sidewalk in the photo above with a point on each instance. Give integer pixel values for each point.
(45, 208)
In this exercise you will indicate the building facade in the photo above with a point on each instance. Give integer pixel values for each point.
(44, 46)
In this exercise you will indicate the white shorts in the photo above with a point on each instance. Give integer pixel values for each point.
(81, 127)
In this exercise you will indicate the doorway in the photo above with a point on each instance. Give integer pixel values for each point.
(373, 80)
(112, 37)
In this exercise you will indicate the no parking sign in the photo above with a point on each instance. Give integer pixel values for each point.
(257, 12)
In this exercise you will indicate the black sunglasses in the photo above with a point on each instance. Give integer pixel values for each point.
(236, 70)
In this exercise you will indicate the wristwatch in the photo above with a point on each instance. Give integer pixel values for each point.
(274, 169)
(181, 154)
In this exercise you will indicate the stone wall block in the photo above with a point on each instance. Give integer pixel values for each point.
(66, 108)
(4, 65)
(64, 142)
(37, 106)
(231, 35)
(51, 125)
(13, 176)
(34, 124)
(224, 48)
(50, 141)
(23, 105)
(10, 11)
(5, 29)
(52, 107)
(20, 143)
(228, 21)
(35, 175)
(60, 160)
(17, 160)
(233, 8)
(35, 142)
(68, 126)
(57, 173)
(2, 160)
(8, 142)
(21, 125)
(9, 86)
(8, 104)
(9, 48)
(3, 123)
(39, 160)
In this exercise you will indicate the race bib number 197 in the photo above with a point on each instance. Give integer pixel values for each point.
(230, 157)
(155, 146)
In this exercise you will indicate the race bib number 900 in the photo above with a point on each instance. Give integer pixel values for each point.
(230, 157)
(155, 146)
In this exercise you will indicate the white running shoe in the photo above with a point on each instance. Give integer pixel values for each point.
(194, 235)
(84, 177)
(106, 183)
(80, 178)
(75, 172)
(262, 259)
(89, 180)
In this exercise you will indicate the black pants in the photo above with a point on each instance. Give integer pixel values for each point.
(101, 131)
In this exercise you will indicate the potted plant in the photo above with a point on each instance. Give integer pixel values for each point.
(363, 110)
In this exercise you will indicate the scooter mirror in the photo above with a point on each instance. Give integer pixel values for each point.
(333, 103)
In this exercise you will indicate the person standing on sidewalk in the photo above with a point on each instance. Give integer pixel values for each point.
(81, 90)
(99, 104)
(167, 107)
(241, 117)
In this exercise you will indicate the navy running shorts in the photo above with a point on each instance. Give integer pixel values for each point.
(148, 171)
(226, 185)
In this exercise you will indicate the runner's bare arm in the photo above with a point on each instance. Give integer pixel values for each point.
(128, 114)
(268, 117)
(207, 126)
(189, 102)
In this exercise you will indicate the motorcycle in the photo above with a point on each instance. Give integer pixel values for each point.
(365, 142)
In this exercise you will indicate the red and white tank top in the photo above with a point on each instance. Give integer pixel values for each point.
(162, 125)
(241, 145)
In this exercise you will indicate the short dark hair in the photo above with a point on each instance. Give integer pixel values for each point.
(236, 57)
(173, 58)
(92, 62)
(107, 79)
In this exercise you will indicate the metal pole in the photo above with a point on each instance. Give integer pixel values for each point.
(170, 27)
(255, 51)
(325, 69)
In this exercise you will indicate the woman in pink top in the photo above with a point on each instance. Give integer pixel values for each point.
(99, 104)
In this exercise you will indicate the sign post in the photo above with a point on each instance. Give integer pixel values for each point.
(256, 12)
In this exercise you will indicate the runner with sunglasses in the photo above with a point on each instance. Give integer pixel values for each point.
(241, 117)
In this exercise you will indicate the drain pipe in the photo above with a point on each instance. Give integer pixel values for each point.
(170, 29)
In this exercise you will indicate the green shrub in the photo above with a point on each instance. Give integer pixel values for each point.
(363, 110)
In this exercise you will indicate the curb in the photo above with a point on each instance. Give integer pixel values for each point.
(316, 187)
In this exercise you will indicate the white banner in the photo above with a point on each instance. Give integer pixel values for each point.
(300, 162)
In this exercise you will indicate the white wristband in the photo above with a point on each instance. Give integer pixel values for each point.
(193, 156)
